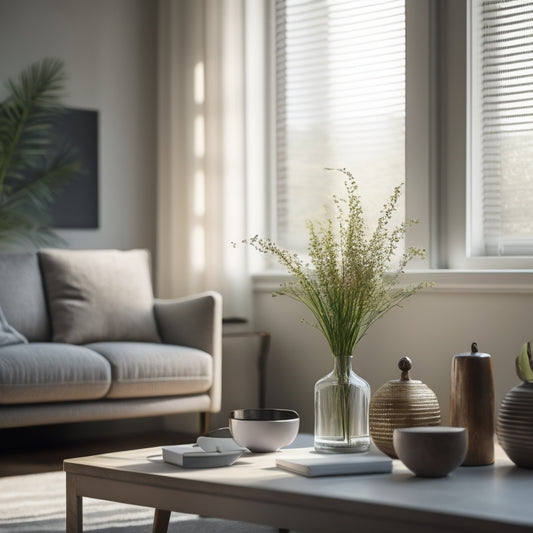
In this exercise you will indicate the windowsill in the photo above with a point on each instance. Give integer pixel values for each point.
(481, 281)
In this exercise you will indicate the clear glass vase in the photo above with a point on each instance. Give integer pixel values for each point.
(342, 399)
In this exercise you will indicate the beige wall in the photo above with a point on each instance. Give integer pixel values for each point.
(430, 328)
(109, 48)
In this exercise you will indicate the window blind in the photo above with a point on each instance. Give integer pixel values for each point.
(340, 102)
(505, 90)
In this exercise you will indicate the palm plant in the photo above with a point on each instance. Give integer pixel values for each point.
(33, 168)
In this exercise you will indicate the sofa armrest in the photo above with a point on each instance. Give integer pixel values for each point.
(195, 321)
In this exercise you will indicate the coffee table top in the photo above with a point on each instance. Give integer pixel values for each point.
(482, 498)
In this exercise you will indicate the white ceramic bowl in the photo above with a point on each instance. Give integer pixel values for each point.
(264, 430)
(431, 451)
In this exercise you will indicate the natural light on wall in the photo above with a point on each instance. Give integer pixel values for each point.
(340, 93)
(197, 242)
(501, 128)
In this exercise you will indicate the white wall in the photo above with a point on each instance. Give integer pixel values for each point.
(430, 328)
(109, 48)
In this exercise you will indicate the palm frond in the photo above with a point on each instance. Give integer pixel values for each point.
(32, 167)
(22, 229)
(27, 115)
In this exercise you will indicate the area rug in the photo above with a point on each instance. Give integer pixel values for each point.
(36, 504)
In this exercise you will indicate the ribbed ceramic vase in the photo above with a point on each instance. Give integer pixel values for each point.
(515, 424)
(341, 410)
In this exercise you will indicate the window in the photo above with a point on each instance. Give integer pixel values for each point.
(340, 102)
(438, 95)
(502, 128)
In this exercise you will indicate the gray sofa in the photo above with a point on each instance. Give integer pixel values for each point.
(83, 339)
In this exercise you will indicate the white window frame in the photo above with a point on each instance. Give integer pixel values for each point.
(420, 156)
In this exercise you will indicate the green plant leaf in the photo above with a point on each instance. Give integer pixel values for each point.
(32, 168)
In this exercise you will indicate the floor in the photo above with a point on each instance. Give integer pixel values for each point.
(43, 449)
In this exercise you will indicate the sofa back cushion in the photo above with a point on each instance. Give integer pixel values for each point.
(22, 296)
(99, 295)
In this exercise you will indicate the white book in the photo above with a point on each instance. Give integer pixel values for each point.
(314, 464)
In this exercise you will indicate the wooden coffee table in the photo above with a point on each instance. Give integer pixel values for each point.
(487, 499)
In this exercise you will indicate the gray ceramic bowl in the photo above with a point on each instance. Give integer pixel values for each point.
(431, 451)
(264, 430)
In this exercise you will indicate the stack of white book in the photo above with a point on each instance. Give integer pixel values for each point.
(309, 463)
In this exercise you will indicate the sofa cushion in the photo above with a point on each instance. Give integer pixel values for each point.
(150, 369)
(22, 297)
(50, 372)
(8, 334)
(99, 295)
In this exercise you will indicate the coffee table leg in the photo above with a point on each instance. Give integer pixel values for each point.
(74, 507)
(161, 519)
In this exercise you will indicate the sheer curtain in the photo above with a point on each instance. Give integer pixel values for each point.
(201, 140)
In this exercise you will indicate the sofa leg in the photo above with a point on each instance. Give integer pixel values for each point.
(204, 423)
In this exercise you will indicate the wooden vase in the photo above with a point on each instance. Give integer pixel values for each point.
(401, 403)
(472, 404)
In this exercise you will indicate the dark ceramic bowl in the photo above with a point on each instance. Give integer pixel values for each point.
(431, 451)
(264, 430)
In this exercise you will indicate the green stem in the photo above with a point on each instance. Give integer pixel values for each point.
(342, 369)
